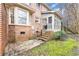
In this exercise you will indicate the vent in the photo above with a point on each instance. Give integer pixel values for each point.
(22, 32)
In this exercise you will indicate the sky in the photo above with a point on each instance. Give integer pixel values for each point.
(56, 6)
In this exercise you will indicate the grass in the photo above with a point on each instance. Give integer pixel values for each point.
(77, 48)
(54, 48)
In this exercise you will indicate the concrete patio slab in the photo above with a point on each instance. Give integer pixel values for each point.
(17, 48)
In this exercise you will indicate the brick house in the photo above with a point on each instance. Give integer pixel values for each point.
(20, 21)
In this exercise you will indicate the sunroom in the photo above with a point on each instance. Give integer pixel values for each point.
(51, 21)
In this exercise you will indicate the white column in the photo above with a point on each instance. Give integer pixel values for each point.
(28, 19)
(52, 22)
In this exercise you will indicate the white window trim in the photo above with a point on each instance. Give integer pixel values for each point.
(16, 17)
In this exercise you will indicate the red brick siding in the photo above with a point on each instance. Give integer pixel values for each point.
(0, 30)
(15, 32)
(3, 29)
(11, 31)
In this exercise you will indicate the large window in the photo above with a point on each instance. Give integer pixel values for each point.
(17, 16)
(22, 17)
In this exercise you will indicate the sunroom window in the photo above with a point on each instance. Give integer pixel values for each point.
(50, 22)
(57, 23)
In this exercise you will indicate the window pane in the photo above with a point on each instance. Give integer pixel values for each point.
(22, 13)
(21, 20)
(22, 17)
(50, 20)
(57, 24)
(49, 23)
(49, 26)
(12, 15)
(38, 5)
(44, 21)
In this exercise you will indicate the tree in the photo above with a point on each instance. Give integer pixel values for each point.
(71, 17)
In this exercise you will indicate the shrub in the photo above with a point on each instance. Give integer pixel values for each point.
(58, 34)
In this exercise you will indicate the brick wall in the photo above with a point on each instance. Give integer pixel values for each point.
(20, 32)
(11, 31)
(23, 32)
(37, 16)
(0, 30)
(3, 28)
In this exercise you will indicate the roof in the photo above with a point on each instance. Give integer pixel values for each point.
(46, 6)
(53, 12)
(24, 6)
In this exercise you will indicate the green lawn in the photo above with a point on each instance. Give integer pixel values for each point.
(54, 48)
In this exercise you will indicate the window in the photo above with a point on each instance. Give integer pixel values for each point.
(44, 21)
(11, 15)
(37, 19)
(50, 20)
(18, 16)
(22, 17)
(38, 5)
(57, 23)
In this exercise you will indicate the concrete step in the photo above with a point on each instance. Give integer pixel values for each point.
(43, 39)
(45, 36)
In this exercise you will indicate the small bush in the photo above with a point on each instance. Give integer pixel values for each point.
(58, 34)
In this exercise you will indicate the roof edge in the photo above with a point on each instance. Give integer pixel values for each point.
(46, 6)
(53, 12)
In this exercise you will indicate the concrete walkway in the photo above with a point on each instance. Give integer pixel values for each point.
(17, 48)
